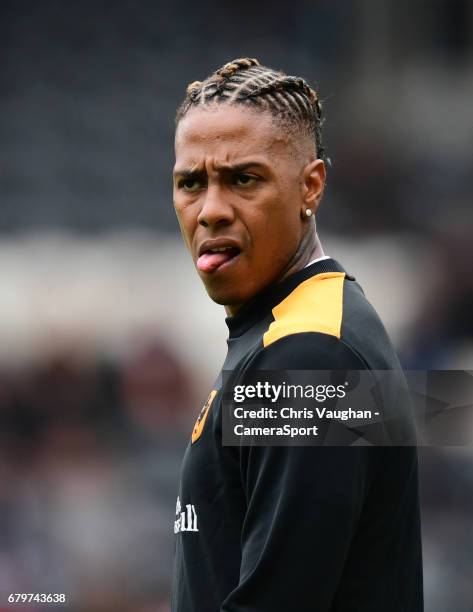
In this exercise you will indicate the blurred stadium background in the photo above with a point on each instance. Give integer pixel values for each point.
(108, 342)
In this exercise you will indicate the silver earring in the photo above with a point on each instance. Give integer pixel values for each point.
(308, 212)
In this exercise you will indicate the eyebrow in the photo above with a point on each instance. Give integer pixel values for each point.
(189, 174)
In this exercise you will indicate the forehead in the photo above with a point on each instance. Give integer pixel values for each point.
(229, 132)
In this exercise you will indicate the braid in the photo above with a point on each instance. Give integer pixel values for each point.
(246, 81)
(238, 64)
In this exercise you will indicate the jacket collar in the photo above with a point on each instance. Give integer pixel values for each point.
(264, 302)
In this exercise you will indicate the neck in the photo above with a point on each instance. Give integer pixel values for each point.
(309, 248)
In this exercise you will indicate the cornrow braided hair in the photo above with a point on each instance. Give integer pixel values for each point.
(246, 81)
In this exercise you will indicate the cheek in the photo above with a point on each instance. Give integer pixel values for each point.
(274, 230)
(187, 219)
(279, 213)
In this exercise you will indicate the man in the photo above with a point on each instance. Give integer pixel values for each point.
(279, 528)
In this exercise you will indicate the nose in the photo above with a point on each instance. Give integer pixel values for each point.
(216, 210)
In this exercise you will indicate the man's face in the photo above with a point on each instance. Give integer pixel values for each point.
(238, 196)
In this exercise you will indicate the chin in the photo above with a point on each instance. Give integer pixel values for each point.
(236, 292)
(228, 297)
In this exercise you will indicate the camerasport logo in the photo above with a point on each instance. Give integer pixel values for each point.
(186, 519)
(199, 424)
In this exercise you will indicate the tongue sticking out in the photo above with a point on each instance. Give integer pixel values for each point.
(208, 262)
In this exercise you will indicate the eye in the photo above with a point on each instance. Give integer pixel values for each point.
(244, 180)
(190, 185)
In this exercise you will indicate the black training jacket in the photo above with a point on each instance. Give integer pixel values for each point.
(298, 528)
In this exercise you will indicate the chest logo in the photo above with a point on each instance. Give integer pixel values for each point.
(186, 519)
(199, 424)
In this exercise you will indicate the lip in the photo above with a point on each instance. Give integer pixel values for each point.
(218, 243)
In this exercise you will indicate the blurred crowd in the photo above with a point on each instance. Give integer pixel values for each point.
(89, 458)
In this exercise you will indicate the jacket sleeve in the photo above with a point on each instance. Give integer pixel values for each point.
(303, 502)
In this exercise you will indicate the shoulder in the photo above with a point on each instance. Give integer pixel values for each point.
(315, 305)
(326, 322)
(308, 351)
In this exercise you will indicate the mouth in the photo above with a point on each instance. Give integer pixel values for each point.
(213, 258)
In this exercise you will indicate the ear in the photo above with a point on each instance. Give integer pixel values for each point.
(313, 184)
